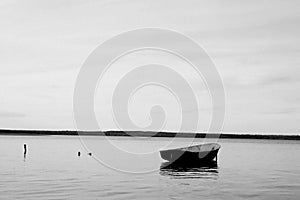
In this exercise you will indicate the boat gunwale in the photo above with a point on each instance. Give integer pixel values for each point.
(187, 148)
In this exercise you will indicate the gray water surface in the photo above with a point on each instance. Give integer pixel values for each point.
(247, 169)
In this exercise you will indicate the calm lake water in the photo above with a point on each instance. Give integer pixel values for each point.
(247, 169)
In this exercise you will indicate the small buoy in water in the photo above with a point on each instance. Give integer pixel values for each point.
(78, 154)
(90, 154)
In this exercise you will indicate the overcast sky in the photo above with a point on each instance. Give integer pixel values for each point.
(255, 45)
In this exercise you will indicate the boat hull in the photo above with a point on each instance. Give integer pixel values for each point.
(199, 154)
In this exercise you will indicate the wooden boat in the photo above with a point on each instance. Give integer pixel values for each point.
(198, 154)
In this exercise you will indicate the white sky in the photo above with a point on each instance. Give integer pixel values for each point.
(255, 45)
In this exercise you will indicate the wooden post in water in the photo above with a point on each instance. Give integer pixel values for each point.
(25, 149)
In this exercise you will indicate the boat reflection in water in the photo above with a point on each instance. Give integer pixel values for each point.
(203, 171)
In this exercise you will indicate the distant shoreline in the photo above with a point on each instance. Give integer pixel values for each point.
(146, 134)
